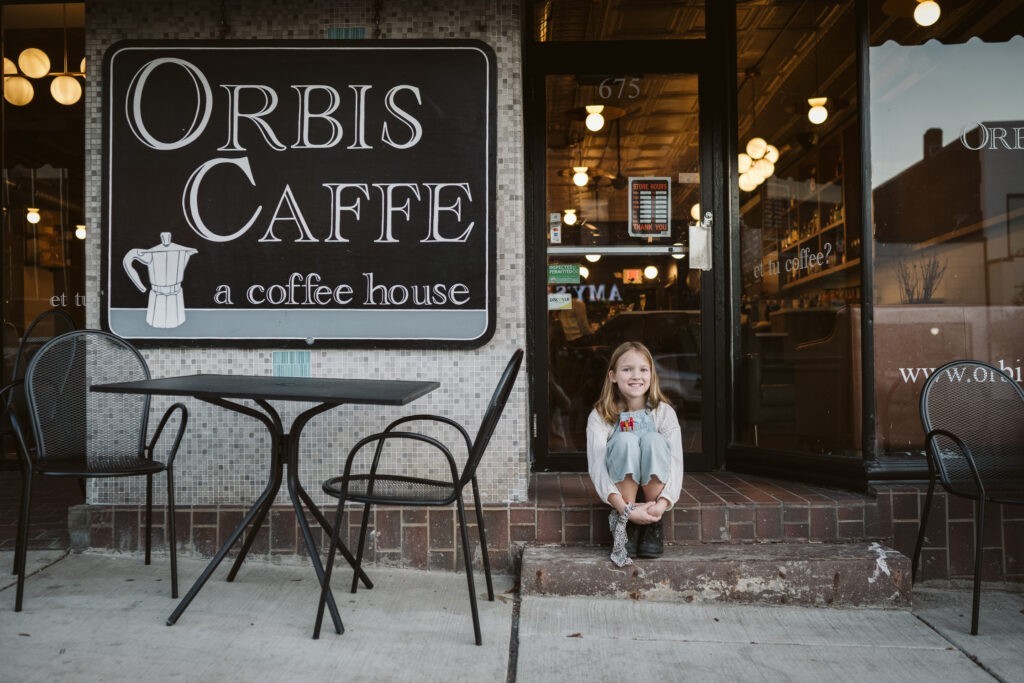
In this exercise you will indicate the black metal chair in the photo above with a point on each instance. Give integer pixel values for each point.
(973, 418)
(375, 486)
(75, 432)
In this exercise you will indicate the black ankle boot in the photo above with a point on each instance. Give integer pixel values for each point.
(633, 534)
(652, 543)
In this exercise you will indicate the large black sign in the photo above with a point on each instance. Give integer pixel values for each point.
(300, 192)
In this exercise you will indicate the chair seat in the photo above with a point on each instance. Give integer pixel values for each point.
(394, 489)
(105, 466)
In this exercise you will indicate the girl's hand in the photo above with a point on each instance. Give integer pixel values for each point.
(641, 514)
(657, 509)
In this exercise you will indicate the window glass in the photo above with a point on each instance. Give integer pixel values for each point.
(577, 20)
(799, 233)
(947, 183)
(42, 247)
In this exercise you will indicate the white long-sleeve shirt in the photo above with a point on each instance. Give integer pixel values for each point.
(598, 433)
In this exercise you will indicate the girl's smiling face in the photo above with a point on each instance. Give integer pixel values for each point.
(632, 377)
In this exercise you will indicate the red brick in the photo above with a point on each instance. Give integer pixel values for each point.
(549, 526)
(283, 531)
(1013, 535)
(768, 522)
(414, 546)
(389, 530)
(823, 524)
(522, 516)
(496, 521)
(961, 549)
(905, 505)
(712, 525)
(414, 516)
(442, 529)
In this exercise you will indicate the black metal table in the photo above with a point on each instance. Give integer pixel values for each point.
(327, 393)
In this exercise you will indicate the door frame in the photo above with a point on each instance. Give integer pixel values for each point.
(713, 60)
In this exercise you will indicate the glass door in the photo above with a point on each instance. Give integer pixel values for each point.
(622, 185)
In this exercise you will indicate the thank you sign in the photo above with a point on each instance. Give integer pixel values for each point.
(300, 192)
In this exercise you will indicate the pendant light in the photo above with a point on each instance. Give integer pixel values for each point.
(757, 163)
(32, 212)
(65, 88)
(817, 114)
(927, 12)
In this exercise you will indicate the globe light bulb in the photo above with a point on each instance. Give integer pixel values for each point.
(746, 183)
(569, 217)
(66, 89)
(32, 215)
(650, 272)
(817, 113)
(927, 12)
(584, 272)
(579, 176)
(678, 253)
(9, 68)
(764, 168)
(695, 212)
(595, 120)
(18, 90)
(744, 162)
(593, 258)
(80, 231)
(756, 148)
(33, 62)
(771, 153)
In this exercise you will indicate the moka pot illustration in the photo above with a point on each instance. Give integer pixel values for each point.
(166, 266)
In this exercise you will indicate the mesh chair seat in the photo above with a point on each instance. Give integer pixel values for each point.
(106, 466)
(1001, 472)
(393, 489)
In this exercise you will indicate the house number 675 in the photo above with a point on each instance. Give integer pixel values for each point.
(627, 87)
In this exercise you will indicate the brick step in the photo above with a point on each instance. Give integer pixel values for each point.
(823, 575)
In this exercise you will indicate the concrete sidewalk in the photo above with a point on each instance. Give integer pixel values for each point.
(98, 617)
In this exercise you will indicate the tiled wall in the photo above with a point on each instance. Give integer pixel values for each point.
(223, 459)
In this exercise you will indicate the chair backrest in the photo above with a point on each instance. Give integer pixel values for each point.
(69, 421)
(44, 327)
(491, 416)
(981, 405)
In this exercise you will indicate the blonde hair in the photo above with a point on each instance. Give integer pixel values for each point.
(610, 403)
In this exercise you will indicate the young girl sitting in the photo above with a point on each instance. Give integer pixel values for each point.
(634, 444)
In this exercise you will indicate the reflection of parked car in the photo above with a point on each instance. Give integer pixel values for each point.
(674, 340)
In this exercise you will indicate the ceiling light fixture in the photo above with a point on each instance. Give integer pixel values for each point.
(927, 12)
(593, 258)
(34, 63)
(65, 88)
(80, 231)
(757, 163)
(584, 272)
(594, 120)
(569, 217)
(651, 272)
(579, 176)
(817, 112)
(32, 214)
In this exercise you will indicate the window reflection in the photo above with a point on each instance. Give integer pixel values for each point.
(800, 246)
(947, 186)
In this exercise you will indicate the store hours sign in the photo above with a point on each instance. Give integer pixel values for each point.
(300, 192)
